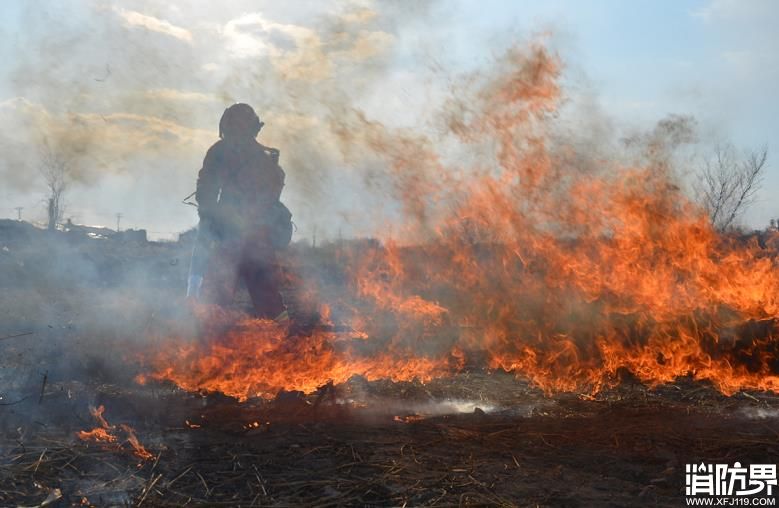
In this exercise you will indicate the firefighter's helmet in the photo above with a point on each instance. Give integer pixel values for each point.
(239, 121)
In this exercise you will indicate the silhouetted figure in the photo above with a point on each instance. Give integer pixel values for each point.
(238, 191)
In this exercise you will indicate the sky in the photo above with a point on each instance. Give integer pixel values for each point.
(131, 91)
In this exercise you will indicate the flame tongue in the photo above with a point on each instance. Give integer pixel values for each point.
(106, 434)
(545, 262)
(258, 359)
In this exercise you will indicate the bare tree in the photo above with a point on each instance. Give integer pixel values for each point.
(55, 167)
(728, 183)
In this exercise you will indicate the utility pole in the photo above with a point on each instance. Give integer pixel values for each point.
(19, 212)
(313, 243)
(118, 220)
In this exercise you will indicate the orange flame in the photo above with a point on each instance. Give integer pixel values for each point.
(257, 359)
(97, 435)
(106, 434)
(559, 273)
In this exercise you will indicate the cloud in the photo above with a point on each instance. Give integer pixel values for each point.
(136, 19)
(170, 94)
(252, 35)
(294, 51)
(97, 144)
(359, 16)
(297, 52)
(367, 44)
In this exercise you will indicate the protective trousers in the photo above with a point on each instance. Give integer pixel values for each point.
(249, 259)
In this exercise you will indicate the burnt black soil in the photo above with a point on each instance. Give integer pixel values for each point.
(382, 444)
(74, 311)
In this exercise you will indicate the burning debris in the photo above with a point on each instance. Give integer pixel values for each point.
(106, 435)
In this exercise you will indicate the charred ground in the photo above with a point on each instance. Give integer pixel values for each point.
(87, 306)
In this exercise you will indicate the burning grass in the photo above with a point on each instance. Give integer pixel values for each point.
(106, 435)
(535, 260)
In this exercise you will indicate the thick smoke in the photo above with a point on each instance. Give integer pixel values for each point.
(520, 249)
(515, 217)
(132, 94)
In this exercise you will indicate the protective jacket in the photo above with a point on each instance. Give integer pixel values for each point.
(237, 188)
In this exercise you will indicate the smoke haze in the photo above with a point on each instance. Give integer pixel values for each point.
(131, 94)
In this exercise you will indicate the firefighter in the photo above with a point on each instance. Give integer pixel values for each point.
(238, 191)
